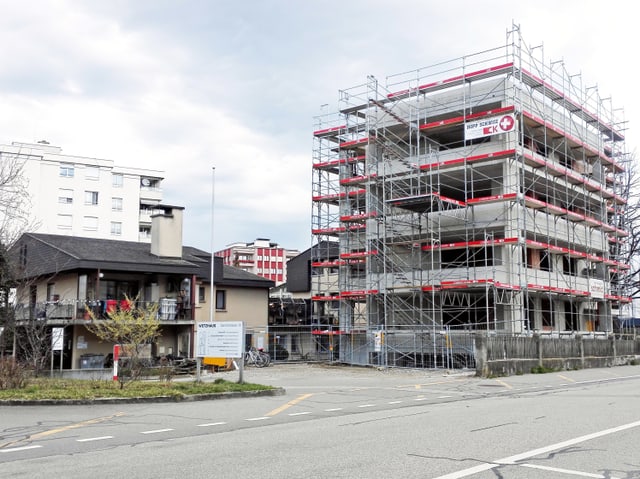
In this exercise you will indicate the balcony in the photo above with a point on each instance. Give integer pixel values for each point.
(73, 310)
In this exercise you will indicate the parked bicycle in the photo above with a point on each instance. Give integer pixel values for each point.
(257, 357)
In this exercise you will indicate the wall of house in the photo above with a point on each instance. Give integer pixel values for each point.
(245, 304)
(89, 174)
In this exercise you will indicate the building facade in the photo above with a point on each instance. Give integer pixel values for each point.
(61, 277)
(484, 193)
(87, 197)
(262, 257)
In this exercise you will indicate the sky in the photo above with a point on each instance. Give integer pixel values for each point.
(188, 86)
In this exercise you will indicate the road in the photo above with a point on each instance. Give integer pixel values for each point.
(346, 423)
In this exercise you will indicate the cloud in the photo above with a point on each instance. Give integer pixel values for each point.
(184, 87)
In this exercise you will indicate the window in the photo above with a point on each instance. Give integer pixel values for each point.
(116, 228)
(65, 222)
(90, 223)
(66, 170)
(221, 299)
(117, 180)
(90, 197)
(201, 295)
(65, 196)
(92, 173)
(116, 204)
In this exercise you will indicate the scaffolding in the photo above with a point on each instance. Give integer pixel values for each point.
(482, 193)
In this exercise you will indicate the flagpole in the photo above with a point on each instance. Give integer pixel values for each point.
(212, 289)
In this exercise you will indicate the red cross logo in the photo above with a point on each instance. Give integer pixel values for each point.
(506, 123)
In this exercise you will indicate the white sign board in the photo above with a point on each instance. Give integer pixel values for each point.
(489, 126)
(220, 339)
(378, 341)
(596, 287)
(57, 339)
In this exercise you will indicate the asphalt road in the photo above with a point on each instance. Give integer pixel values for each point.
(338, 422)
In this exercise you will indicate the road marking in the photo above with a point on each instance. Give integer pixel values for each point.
(23, 448)
(257, 418)
(513, 460)
(566, 378)
(74, 426)
(366, 405)
(568, 471)
(42, 434)
(429, 384)
(508, 386)
(90, 439)
(444, 397)
(156, 431)
(333, 409)
(394, 402)
(293, 402)
(300, 413)
(420, 399)
(211, 424)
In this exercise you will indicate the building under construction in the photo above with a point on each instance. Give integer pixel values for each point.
(482, 193)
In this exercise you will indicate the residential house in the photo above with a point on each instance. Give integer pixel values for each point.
(81, 196)
(62, 276)
(262, 257)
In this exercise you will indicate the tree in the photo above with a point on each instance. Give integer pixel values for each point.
(627, 249)
(14, 199)
(14, 220)
(132, 328)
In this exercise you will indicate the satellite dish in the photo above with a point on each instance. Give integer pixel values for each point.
(145, 182)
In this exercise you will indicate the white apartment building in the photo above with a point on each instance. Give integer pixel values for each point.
(86, 197)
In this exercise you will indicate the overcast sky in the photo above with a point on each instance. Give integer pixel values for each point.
(186, 86)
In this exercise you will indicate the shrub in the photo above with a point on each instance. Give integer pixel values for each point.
(13, 375)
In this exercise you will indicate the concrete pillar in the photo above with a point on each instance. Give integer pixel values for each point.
(482, 367)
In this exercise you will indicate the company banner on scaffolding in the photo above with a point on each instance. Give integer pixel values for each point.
(489, 126)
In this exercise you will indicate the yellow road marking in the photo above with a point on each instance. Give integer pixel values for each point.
(566, 378)
(293, 402)
(50, 432)
(504, 384)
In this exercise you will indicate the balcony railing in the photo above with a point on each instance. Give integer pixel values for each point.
(69, 310)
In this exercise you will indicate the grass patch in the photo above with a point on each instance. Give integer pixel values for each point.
(542, 370)
(46, 388)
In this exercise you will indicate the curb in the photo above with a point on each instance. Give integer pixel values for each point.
(143, 400)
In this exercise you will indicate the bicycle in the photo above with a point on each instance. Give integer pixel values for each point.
(257, 357)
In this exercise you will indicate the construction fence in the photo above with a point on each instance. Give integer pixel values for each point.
(487, 354)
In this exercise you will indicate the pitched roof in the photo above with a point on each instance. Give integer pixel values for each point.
(49, 254)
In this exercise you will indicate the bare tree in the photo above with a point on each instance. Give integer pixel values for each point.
(627, 248)
(14, 198)
(132, 328)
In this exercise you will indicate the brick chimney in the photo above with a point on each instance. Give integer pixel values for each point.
(166, 231)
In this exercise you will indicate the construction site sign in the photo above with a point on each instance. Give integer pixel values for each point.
(220, 339)
(489, 126)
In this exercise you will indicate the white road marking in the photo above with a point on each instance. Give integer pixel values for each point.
(299, 413)
(90, 439)
(366, 405)
(444, 397)
(333, 409)
(420, 399)
(568, 471)
(156, 431)
(211, 424)
(257, 418)
(536, 452)
(394, 402)
(23, 448)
